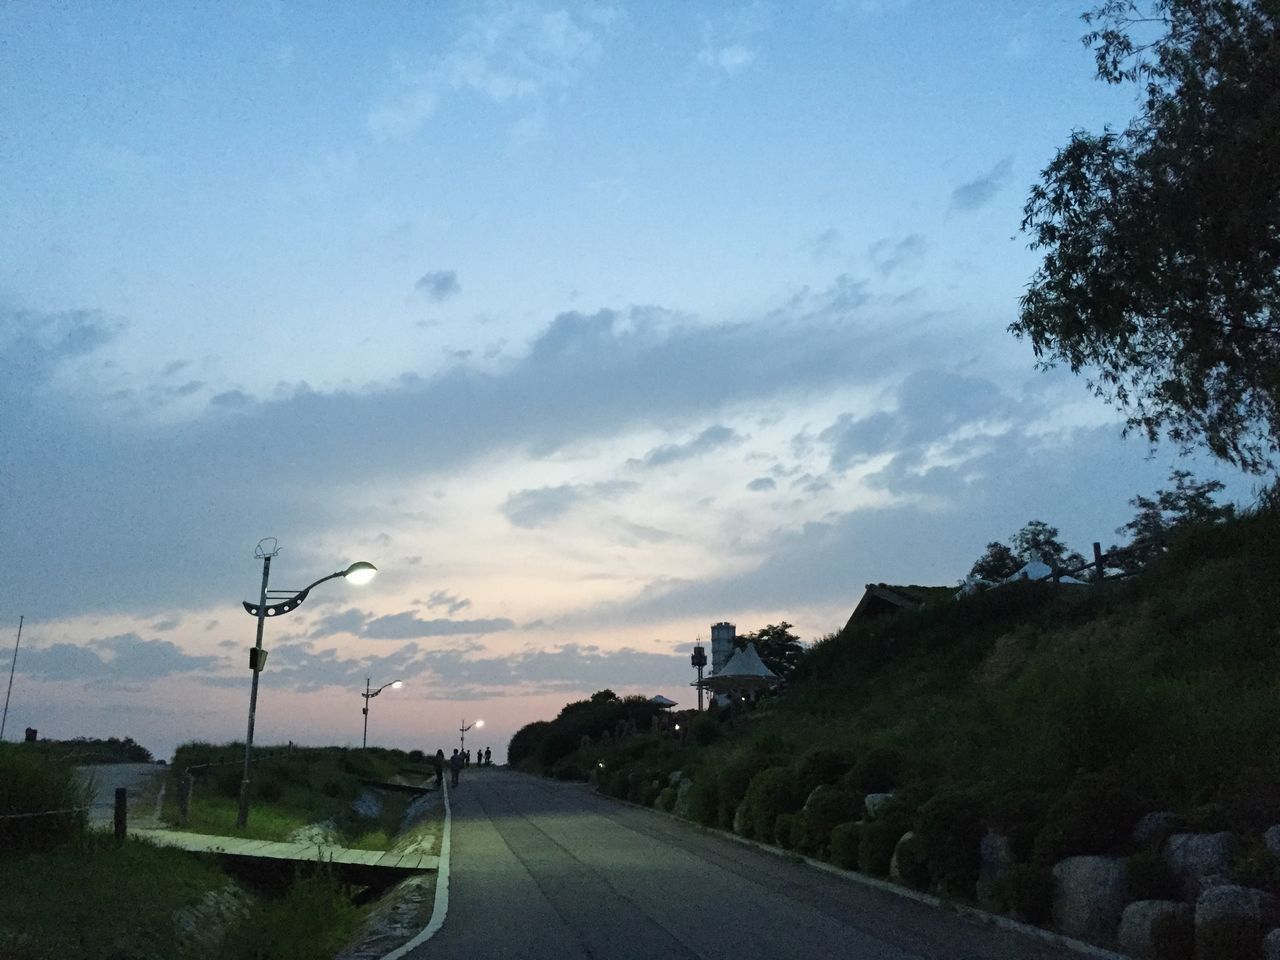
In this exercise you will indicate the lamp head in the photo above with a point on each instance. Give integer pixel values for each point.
(397, 685)
(360, 572)
(479, 724)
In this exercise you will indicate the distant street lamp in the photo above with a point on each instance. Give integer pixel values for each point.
(394, 685)
(285, 601)
(462, 733)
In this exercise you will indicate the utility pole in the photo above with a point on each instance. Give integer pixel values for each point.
(12, 668)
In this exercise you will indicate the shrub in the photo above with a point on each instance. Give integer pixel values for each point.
(704, 800)
(787, 829)
(666, 799)
(731, 787)
(913, 868)
(524, 745)
(556, 745)
(648, 793)
(879, 771)
(819, 767)
(1149, 877)
(1228, 938)
(567, 769)
(846, 839)
(875, 850)
(705, 730)
(1018, 816)
(1093, 816)
(827, 807)
(949, 830)
(1026, 890)
(772, 791)
(1257, 866)
(31, 784)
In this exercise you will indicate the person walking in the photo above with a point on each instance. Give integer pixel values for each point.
(438, 762)
(487, 755)
(455, 765)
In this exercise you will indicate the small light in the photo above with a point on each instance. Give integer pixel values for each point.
(677, 726)
(360, 572)
(479, 724)
(600, 764)
(397, 685)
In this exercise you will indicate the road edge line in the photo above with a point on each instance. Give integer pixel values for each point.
(972, 914)
(440, 906)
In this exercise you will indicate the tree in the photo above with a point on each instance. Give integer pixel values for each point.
(998, 563)
(778, 647)
(1161, 242)
(1190, 501)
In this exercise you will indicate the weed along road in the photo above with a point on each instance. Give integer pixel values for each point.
(541, 869)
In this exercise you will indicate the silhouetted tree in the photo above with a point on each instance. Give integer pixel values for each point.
(778, 647)
(1190, 501)
(1161, 242)
(998, 563)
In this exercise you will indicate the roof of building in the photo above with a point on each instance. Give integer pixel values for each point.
(743, 668)
(882, 598)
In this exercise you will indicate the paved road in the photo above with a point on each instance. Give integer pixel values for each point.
(549, 870)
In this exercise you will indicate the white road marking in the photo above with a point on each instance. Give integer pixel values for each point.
(440, 908)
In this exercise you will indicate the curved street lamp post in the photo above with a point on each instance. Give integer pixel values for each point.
(285, 601)
(462, 733)
(394, 685)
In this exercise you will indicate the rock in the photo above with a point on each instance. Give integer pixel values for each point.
(1154, 826)
(1138, 924)
(1272, 839)
(994, 857)
(367, 804)
(1194, 857)
(681, 809)
(1231, 921)
(875, 802)
(1271, 945)
(674, 777)
(1089, 897)
(816, 791)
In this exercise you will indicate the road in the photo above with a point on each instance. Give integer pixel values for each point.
(142, 780)
(541, 869)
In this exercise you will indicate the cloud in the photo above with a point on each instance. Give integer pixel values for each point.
(979, 191)
(762, 484)
(439, 285)
(347, 621)
(727, 48)
(515, 52)
(825, 245)
(890, 255)
(539, 507)
(125, 657)
(708, 440)
(403, 626)
(729, 60)
(451, 602)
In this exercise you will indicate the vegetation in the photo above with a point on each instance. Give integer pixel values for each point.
(83, 751)
(41, 803)
(1161, 242)
(1053, 715)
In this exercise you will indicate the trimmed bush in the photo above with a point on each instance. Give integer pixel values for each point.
(704, 799)
(1018, 816)
(949, 829)
(731, 787)
(846, 839)
(772, 791)
(1093, 816)
(913, 868)
(875, 850)
(828, 806)
(788, 829)
(879, 771)
(1026, 890)
(666, 799)
(818, 767)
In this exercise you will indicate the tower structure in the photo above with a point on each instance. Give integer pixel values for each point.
(722, 637)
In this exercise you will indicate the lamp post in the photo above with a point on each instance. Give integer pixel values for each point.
(394, 685)
(462, 733)
(286, 601)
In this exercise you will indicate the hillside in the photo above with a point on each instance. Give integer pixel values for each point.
(1053, 717)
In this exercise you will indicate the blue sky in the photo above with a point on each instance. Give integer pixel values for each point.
(590, 324)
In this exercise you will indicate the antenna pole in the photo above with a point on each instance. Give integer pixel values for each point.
(12, 668)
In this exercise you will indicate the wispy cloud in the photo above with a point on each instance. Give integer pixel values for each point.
(404, 626)
(979, 191)
(708, 440)
(539, 507)
(121, 658)
(889, 255)
(439, 285)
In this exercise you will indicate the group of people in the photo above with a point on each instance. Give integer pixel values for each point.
(460, 759)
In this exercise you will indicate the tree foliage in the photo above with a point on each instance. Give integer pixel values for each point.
(1035, 541)
(1161, 242)
(1190, 501)
(778, 647)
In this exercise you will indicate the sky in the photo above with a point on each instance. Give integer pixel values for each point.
(589, 324)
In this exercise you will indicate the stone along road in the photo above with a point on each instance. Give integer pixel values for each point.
(550, 870)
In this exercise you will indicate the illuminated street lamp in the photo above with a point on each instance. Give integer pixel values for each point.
(462, 733)
(284, 602)
(394, 685)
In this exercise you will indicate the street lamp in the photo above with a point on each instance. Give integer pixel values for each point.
(462, 733)
(285, 601)
(394, 685)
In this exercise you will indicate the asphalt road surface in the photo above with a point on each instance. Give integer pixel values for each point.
(548, 870)
(141, 780)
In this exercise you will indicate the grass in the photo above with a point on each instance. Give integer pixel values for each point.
(98, 899)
